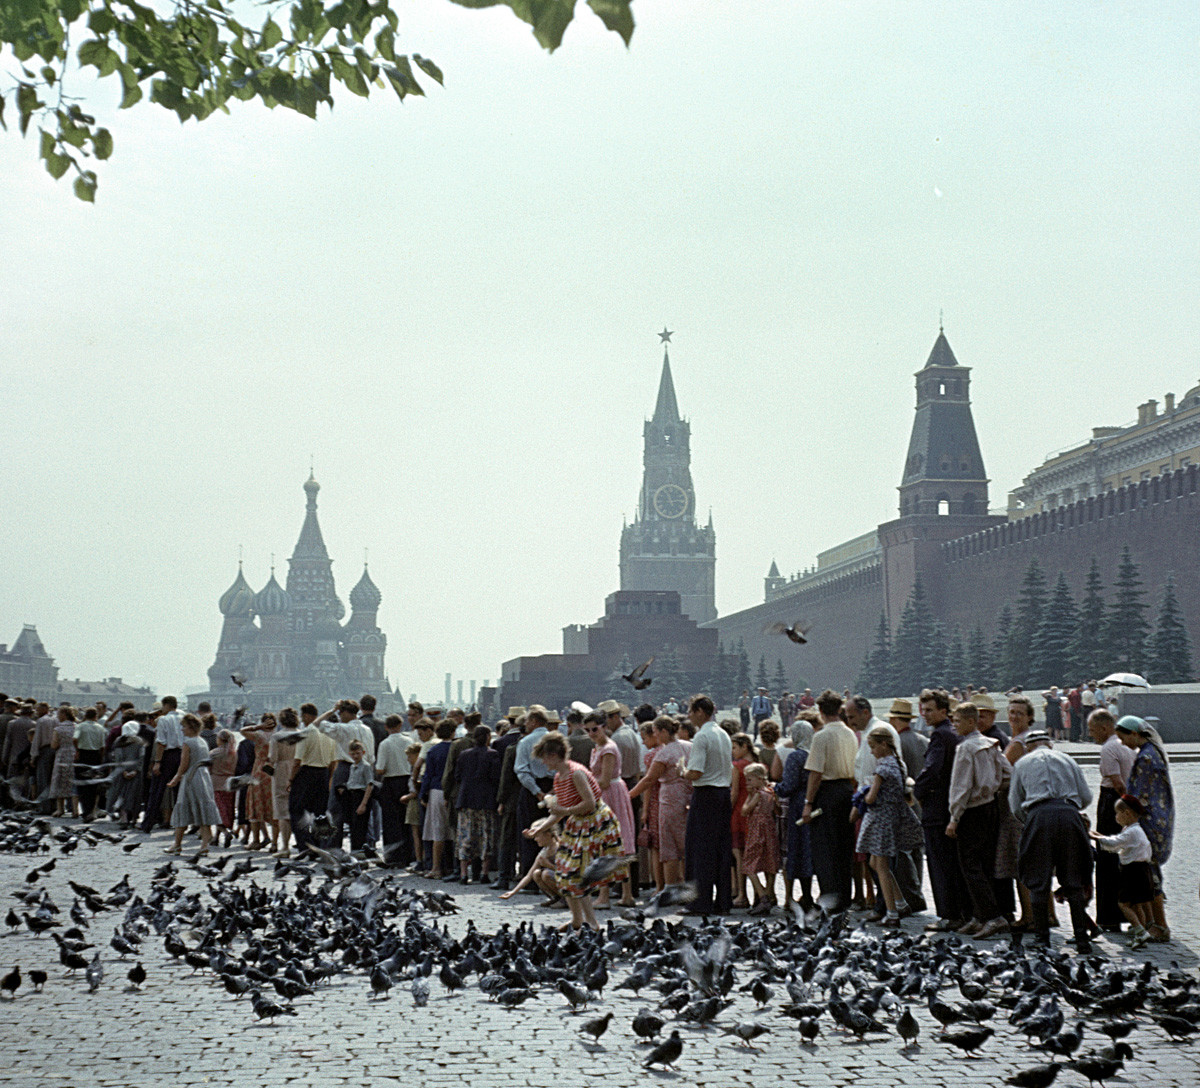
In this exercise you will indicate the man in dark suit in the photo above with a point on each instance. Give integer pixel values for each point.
(506, 799)
(932, 790)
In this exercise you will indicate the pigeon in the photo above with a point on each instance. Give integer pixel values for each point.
(1036, 1076)
(809, 1028)
(11, 982)
(646, 1025)
(666, 1053)
(137, 975)
(1176, 1026)
(1097, 1070)
(968, 1040)
(420, 992)
(513, 996)
(381, 982)
(450, 978)
(577, 998)
(597, 1027)
(907, 1027)
(638, 677)
(671, 897)
(268, 1010)
(761, 992)
(130, 847)
(793, 631)
(747, 1031)
(12, 919)
(1118, 1029)
(239, 678)
(94, 974)
(38, 978)
(602, 868)
(1065, 1042)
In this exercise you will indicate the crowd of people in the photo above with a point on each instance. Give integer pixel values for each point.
(742, 812)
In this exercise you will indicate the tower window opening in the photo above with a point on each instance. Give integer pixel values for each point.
(941, 389)
(943, 505)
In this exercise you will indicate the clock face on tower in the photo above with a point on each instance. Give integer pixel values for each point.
(670, 501)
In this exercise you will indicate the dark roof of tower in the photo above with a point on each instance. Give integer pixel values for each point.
(941, 354)
(29, 643)
(238, 599)
(666, 410)
(365, 596)
(774, 571)
(310, 545)
(272, 599)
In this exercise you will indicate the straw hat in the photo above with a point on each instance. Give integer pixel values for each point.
(901, 708)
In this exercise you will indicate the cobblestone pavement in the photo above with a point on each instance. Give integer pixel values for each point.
(182, 1029)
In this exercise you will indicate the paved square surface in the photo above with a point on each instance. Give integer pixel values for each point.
(182, 1028)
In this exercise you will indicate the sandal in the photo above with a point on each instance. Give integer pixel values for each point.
(1158, 934)
(173, 850)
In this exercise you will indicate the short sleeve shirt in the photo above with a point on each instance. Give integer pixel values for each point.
(832, 751)
(712, 755)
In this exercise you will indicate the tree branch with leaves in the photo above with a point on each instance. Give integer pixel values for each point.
(194, 56)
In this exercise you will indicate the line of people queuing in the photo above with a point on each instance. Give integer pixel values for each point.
(862, 804)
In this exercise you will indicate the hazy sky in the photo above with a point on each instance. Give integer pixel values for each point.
(451, 304)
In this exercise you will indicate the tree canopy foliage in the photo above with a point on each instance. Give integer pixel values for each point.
(193, 56)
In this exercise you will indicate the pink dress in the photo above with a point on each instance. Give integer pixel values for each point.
(224, 762)
(650, 806)
(258, 797)
(674, 794)
(761, 852)
(617, 795)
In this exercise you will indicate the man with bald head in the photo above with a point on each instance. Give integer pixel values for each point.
(1116, 761)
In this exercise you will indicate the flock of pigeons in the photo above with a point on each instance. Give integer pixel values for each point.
(338, 921)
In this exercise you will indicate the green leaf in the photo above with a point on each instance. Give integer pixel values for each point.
(615, 15)
(428, 67)
(102, 143)
(385, 42)
(27, 102)
(271, 34)
(133, 92)
(403, 73)
(2, 123)
(85, 187)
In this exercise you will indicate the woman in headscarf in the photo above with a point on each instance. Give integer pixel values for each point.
(1150, 782)
(125, 791)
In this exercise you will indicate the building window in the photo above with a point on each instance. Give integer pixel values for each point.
(1145, 474)
(941, 389)
(1164, 469)
(943, 504)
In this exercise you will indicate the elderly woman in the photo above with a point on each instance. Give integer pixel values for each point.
(125, 791)
(62, 775)
(674, 792)
(587, 827)
(1150, 783)
(195, 805)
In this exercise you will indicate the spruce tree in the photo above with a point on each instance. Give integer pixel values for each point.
(878, 666)
(1087, 651)
(1031, 609)
(725, 678)
(979, 660)
(1002, 651)
(910, 649)
(1170, 647)
(1126, 629)
(865, 683)
(668, 676)
(743, 670)
(936, 653)
(760, 678)
(779, 682)
(956, 661)
(1050, 655)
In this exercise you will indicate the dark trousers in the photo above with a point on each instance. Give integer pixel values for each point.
(397, 844)
(708, 849)
(635, 869)
(43, 768)
(832, 836)
(351, 799)
(1108, 865)
(1055, 843)
(88, 794)
(506, 842)
(158, 787)
(908, 867)
(977, 831)
(337, 810)
(950, 897)
(306, 801)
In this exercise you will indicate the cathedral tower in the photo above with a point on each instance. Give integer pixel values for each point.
(665, 548)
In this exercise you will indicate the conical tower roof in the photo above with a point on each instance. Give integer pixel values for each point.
(310, 545)
(666, 410)
(941, 355)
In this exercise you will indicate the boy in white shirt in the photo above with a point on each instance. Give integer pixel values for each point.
(1132, 847)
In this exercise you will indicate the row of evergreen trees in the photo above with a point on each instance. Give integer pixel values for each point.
(1047, 639)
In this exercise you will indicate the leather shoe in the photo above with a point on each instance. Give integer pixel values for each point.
(970, 929)
(992, 928)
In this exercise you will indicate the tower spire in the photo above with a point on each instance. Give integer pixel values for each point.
(666, 408)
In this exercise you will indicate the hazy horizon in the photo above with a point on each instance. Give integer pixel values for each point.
(451, 306)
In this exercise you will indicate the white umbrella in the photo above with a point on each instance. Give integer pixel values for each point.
(1125, 680)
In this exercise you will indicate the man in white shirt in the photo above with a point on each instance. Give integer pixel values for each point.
(1116, 761)
(708, 843)
(392, 770)
(830, 788)
(168, 750)
(343, 732)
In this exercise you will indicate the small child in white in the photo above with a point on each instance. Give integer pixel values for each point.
(1130, 844)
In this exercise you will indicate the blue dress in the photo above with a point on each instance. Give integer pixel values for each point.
(791, 788)
(890, 825)
(1150, 783)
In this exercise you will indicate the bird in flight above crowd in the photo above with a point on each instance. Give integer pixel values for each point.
(638, 677)
(795, 631)
(239, 678)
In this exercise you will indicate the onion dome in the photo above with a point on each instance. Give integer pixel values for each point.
(365, 596)
(339, 609)
(272, 599)
(238, 599)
